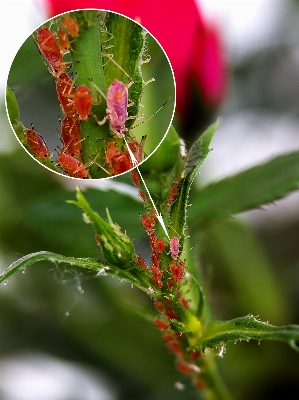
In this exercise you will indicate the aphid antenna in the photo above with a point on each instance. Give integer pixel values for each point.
(73, 79)
(156, 112)
(93, 161)
(103, 30)
(79, 141)
(120, 67)
(64, 149)
(97, 89)
(172, 228)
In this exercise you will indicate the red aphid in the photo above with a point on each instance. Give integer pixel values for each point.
(135, 178)
(195, 355)
(177, 270)
(72, 166)
(168, 303)
(141, 262)
(97, 239)
(157, 281)
(167, 338)
(65, 93)
(63, 40)
(71, 26)
(173, 192)
(171, 314)
(137, 148)
(153, 241)
(156, 271)
(110, 152)
(142, 195)
(184, 303)
(155, 259)
(117, 104)
(170, 283)
(159, 306)
(121, 162)
(146, 222)
(160, 245)
(71, 137)
(37, 143)
(49, 48)
(153, 217)
(175, 347)
(200, 384)
(184, 368)
(83, 101)
(174, 247)
(161, 325)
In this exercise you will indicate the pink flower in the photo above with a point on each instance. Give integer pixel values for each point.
(193, 46)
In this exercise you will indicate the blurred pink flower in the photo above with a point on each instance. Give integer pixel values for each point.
(193, 46)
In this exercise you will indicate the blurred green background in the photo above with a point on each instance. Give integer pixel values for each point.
(67, 334)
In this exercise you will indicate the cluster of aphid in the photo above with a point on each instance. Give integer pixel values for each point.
(168, 270)
(176, 267)
(188, 361)
(76, 103)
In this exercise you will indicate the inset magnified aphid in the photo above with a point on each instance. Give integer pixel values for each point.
(102, 82)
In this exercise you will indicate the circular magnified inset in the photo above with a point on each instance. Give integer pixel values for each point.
(90, 94)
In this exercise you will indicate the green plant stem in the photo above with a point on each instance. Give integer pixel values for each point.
(216, 389)
(88, 67)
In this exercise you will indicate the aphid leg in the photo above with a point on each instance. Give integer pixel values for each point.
(95, 88)
(93, 161)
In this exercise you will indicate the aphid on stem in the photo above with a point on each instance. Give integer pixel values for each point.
(71, 137)
(65, 93)
(71, 26)
(74, 167)
(36, 143)
(174, 247)
(83, 102)
(141, 262)
(173, 192)
(51, 51)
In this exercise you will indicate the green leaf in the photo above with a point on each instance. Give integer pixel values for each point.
(240, 261)
(12, 106)
(166, 155)
(259, 185)
(246, 328)
(117, 247)
(196, 155)
(100, 267)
